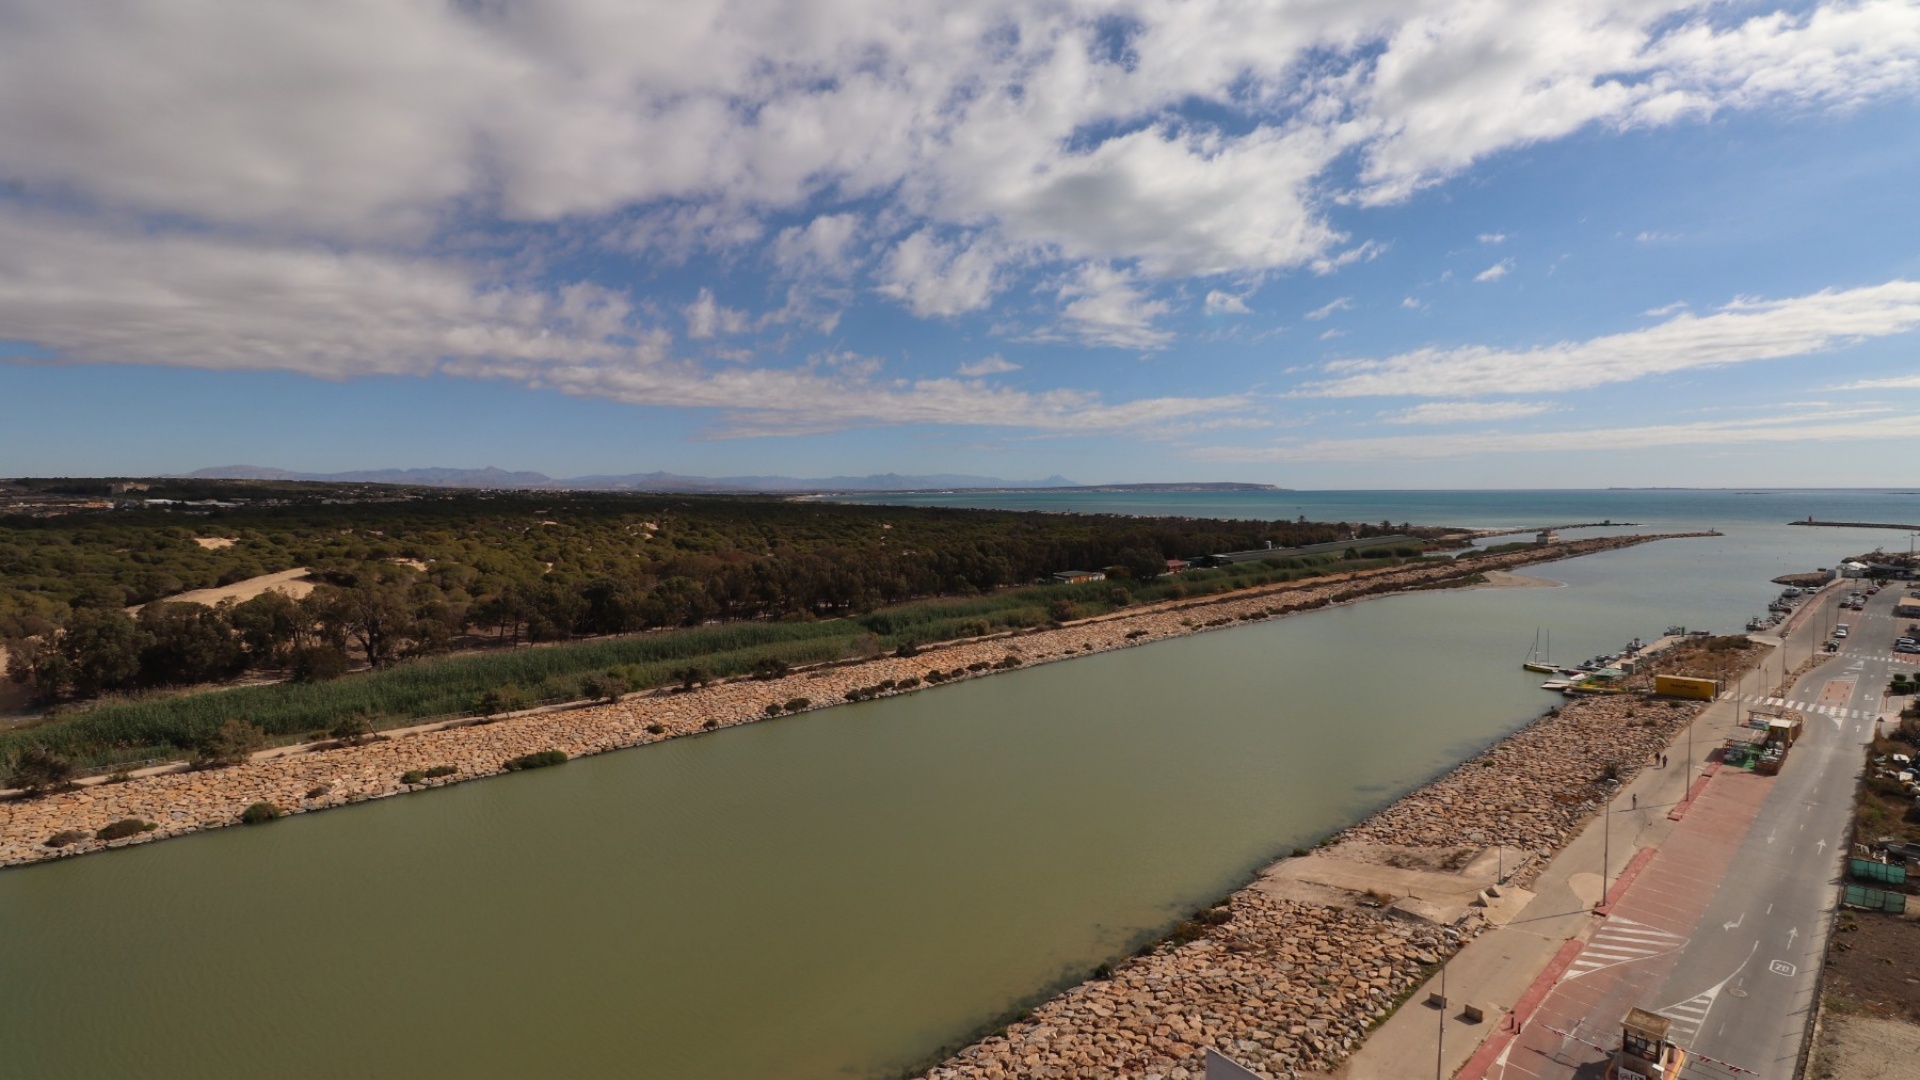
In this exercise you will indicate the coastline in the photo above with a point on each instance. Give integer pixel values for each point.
(303, 779)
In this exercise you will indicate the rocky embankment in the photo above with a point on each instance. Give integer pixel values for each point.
(179, 803)
(1278, 985)
(1533, 789)
(1285, 987)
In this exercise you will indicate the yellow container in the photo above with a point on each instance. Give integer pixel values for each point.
(1683, 686)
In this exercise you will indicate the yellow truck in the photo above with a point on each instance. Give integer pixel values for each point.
(1686, 687)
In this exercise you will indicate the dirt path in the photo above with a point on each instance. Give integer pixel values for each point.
(294, 583)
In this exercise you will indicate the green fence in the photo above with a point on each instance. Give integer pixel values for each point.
(1874, 899)
(1868, 870)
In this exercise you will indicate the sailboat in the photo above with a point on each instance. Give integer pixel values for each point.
(1537, 660)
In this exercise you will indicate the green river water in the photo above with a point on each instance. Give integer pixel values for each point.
(838, 894)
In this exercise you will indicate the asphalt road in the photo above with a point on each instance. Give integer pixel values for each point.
(1743, 986)
(1724, 931)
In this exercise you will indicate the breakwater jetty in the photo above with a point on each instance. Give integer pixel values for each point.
(175, 802)
(1856, 525)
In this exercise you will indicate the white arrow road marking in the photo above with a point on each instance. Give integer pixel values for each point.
(1822, 845)
(1792, 932)
(1735, 924)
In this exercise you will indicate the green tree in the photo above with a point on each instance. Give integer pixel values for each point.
(232, 744)
(269, 626)
(38, 769)
(101, 647)
(186, 643)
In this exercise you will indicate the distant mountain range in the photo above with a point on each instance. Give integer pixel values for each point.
(654, 481)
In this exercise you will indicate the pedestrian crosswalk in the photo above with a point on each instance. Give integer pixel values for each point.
(1688, 1015)
(1623, 941)
(1839, 712)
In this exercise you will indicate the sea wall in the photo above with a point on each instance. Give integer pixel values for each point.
(181, 802)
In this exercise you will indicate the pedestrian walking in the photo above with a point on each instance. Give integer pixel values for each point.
(1636, 800)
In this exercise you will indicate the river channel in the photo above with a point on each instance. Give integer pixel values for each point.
(838, 894)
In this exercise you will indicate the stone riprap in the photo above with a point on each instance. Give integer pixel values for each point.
(1286, 986)
(1532, 789)
(185, 802)
(1280, 986)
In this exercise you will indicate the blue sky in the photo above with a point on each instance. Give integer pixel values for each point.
(1378, 243)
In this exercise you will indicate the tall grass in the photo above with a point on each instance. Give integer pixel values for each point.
(135, 730)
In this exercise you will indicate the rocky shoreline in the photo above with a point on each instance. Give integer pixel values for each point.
(1286, 986)
(179, 803)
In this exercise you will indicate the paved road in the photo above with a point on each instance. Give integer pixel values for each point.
(1724, 931)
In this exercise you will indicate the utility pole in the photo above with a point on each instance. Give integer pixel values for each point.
(1606, 845)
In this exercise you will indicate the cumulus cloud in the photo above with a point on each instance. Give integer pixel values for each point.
(1496, 271)
(931, 154)
(1226, 303)
(1744, 331)
(1459, 412)
(1104, 306)
(707, 317)
(937, 278)
(97, 296)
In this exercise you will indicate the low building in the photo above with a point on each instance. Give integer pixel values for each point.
(1174, 566)
(1077, 577)
(1545, 537)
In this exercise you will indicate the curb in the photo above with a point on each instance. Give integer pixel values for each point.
(1495, 1047)
(1625, 881)
(1680, 809)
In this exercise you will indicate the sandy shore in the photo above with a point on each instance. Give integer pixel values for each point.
(301, 779)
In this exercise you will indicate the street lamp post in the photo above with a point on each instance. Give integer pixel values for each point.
(1606, 847)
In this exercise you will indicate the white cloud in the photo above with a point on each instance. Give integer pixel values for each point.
(1834, 426)
(1665, 310)
(1493, 238)
(1742, 332)
(1496, 271)
(935, 278)
(1859, 425)
(1411, 304)
(1461, 412)
(1338, 304)
(1332, 333)
(1898, 382)
(822, 247)
(978, 140)
(707, 317)
(1226, 303)
(988, 365)
(1104, 307)
(97, 296)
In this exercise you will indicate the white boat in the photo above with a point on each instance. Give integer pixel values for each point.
(1536, 659)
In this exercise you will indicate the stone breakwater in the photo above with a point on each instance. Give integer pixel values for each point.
(1284, 986)
(179, 803)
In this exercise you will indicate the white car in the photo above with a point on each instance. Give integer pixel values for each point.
(1840, 632)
